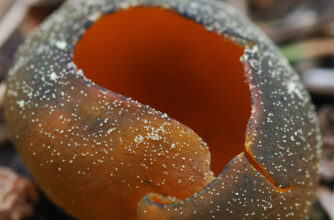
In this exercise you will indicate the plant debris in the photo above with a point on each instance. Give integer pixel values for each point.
(17, 196)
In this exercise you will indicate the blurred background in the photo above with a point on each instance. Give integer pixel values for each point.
(302, 29)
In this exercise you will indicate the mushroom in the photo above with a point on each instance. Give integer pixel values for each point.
(205, 70)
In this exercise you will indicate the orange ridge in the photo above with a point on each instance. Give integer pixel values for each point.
(259, 167)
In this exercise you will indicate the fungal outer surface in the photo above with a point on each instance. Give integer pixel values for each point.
(100, 155)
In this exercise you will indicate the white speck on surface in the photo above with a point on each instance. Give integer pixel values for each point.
(61, 45)
(53, 76)
(20, 103)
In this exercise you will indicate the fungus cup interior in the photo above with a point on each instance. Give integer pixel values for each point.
(176, 66)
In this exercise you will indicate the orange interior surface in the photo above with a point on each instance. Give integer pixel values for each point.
(176, 66)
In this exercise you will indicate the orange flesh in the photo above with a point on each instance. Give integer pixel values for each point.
(176, 66)
(159, 200)
(259, 167)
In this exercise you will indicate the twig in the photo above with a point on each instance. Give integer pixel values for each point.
(2, 93)
(309, 49)
(319, 81)
(326, 198)
(12, 19)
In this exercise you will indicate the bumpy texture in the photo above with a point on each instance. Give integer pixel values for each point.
(96, 153)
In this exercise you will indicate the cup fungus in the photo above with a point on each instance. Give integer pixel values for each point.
(101, 155)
